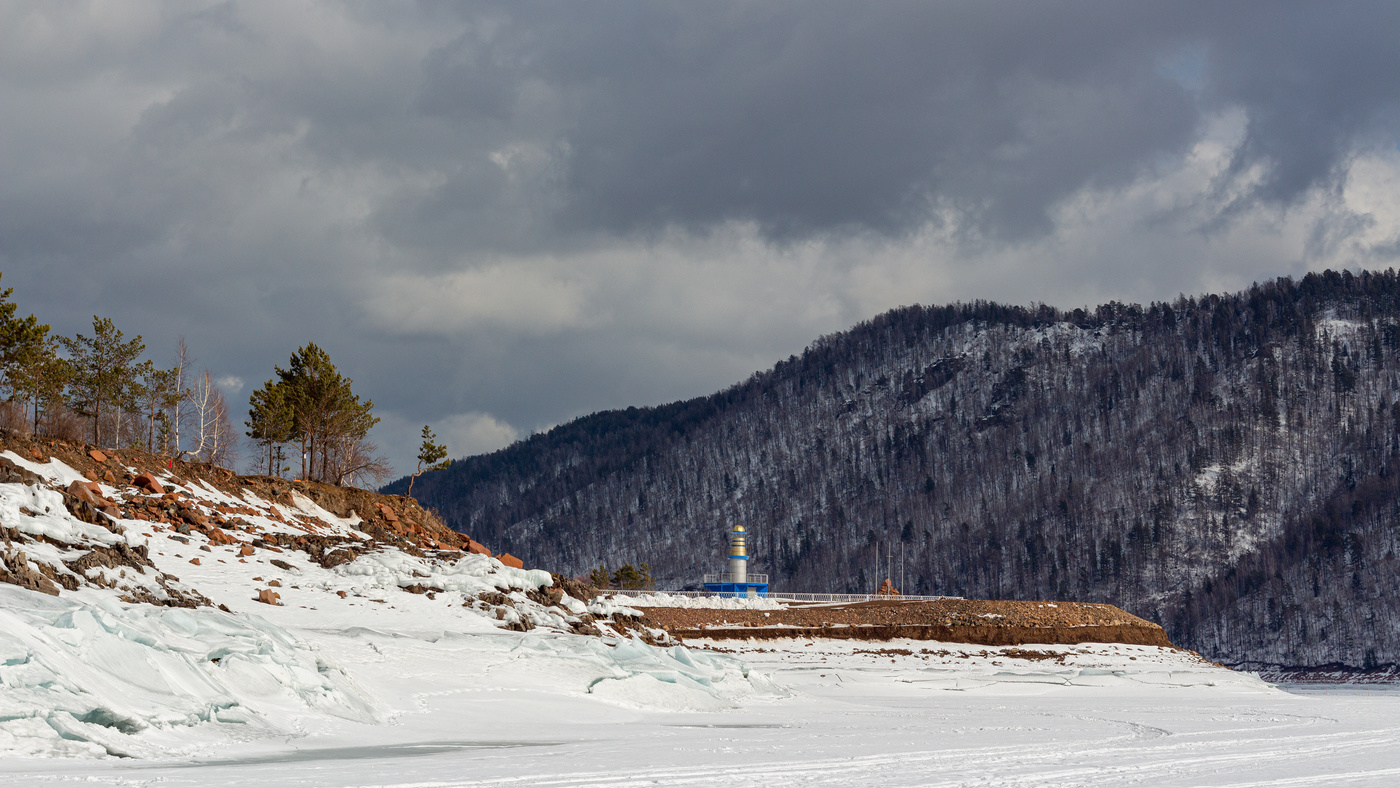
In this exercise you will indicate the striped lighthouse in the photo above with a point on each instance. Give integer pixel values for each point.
(738, 556)
(737, 581)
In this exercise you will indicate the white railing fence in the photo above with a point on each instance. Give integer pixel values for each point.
(726, 577)
(782, 596)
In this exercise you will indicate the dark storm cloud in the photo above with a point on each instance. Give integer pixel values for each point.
(509, 214)
(1316, 82)
(809, 117)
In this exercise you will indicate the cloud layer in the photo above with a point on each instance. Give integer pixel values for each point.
(498, 217)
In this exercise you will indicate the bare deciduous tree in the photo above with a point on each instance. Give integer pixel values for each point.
(214, 435)
(356, 461)
(182, 391)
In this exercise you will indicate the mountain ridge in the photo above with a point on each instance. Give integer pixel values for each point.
(1223, 465)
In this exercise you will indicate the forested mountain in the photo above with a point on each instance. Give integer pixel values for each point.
(1228, 466)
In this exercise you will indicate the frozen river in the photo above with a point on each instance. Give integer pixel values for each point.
(529, 710)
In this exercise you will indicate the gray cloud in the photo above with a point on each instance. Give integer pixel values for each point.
(497, 217)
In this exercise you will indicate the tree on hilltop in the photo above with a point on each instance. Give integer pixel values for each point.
(156, 395)
(430, 454)
(216, 437)
(270, 420)
(31, 371)
(102, 367)
(183, 392)
(19, 337)
(40, 379)
(328, 419)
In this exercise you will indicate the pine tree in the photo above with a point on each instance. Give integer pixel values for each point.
(430, 454)
(41, 378)
(103, 367)
(328, 418)
(270, 420)
(26, 351)
(155, 393)
(633, 578)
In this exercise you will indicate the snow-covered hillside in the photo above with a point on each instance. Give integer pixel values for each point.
(135, 637)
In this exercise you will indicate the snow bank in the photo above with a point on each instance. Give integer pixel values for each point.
(469, 574)
(91, 677)
(54, 471)
(50, 519)
(677, 679)
(97, 671)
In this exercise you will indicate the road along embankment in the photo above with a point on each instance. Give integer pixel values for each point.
(977, 621)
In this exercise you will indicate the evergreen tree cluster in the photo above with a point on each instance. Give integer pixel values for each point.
(311, 404)
(1226, 465)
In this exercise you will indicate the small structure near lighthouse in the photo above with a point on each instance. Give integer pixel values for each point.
(737, 581)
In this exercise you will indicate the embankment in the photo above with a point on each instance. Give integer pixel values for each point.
(975, 621)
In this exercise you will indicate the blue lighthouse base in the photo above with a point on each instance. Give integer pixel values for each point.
(737, 589)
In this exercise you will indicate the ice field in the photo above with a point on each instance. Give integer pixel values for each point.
(406, 709)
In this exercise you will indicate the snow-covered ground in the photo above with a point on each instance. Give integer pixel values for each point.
(381, 687)
(412, 708)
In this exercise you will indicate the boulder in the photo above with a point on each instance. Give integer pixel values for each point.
(85, 506)
(510, 560)
(13, 473)
(474, 546)
(217, 536)
(14, 568)
(148, 483)
(87, 492)
(97, 455)
(246, 550)
(269, 597)
(337, 557)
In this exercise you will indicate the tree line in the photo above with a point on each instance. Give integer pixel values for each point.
(306, 420)
(97, 387)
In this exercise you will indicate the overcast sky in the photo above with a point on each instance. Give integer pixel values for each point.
(499, 217)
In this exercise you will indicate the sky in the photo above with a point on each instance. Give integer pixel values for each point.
(499, 217)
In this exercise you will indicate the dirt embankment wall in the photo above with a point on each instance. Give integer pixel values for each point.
(980, 622)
